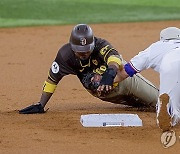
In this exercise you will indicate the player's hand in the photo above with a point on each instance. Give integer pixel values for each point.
(104, 88)
(32, 109)
(107, 80)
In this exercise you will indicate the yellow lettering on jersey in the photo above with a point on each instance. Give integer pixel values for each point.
(107, 53)
(100, 70)
(103, 68)
(104, 50)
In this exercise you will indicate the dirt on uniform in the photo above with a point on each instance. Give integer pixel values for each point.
(26, 55)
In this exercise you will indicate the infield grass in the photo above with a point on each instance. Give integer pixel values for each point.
(55, 12)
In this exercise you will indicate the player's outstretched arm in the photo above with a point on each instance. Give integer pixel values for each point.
(121, 75)
(48, 90)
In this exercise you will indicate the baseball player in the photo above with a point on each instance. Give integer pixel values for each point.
(164, 57)
(96, 63)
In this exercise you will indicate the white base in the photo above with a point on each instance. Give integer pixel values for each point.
(110, 120)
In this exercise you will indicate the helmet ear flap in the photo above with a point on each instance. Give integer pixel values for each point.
(82, 38)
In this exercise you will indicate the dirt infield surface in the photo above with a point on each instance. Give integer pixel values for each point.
(26, 55)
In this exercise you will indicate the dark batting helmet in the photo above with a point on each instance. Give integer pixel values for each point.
(82, 38)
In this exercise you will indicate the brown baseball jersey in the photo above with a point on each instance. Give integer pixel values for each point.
(67, 63)
(133, 91)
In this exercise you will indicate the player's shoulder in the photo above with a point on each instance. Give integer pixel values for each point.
(65, 52)
(65, 49)
(102, 45)
(157, 43)
(152, 47)
(157, 46)
(100, 42)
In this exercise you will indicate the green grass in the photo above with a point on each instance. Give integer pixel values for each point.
(55, 12)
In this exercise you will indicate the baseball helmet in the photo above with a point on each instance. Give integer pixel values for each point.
(82, 38)
(170, 33)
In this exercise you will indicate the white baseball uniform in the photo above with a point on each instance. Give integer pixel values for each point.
(164, 57)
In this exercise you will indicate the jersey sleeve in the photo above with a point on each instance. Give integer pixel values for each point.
(140, 61)
(61, 66)
(55, 72)
(106, 50)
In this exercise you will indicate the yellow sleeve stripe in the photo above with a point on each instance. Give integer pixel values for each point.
(49, 87)
(114, 59)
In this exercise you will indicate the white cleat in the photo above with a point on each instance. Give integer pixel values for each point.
(164, 119)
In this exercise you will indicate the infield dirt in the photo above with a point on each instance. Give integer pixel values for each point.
(26, 55)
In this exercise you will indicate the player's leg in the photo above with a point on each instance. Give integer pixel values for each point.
(134, 91)
(163, 117)
(169, 101)
(142, 89)
(174, 109)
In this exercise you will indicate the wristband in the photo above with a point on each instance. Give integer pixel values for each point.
(129, 70)
(108, 77)
(49, 87)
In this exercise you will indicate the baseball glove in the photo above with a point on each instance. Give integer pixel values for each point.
(32, 109)
(91, 81)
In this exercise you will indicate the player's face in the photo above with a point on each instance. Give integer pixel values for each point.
(83, 55)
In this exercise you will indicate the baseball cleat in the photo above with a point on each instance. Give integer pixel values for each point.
(163, 117)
